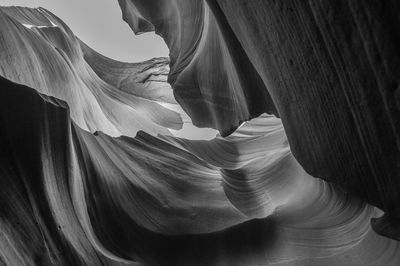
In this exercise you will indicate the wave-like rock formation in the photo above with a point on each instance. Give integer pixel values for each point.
(330, 69)
(90, 174)
(41, 46)
(71, 197)
(202, 60)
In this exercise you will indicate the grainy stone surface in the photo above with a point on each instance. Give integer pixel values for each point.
(332, 69)
(71, 194)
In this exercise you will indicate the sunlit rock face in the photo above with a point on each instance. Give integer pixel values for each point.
(331, 68)
(40, 51)
(90, 174)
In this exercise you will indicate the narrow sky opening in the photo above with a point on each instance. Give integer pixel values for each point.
(99, 24)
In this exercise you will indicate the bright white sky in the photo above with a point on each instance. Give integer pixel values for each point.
(99, 24)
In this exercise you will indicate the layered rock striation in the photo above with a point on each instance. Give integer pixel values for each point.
(329, 69)
(91, 175)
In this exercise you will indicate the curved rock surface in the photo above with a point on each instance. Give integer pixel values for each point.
(331, 68)
(40, 51)
(75, 192)
(78, 198)
(202, 60)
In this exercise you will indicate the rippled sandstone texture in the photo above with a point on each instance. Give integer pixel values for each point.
(74, 198)
(73, 193)
(331, 69)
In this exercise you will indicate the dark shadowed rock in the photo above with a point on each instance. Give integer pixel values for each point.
(330, 67)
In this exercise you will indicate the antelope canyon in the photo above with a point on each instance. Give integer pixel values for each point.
(270, 135)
